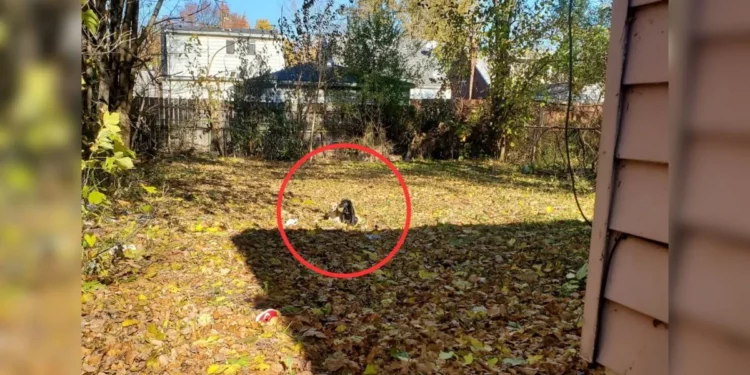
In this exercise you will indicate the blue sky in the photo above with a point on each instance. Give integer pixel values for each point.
(252, 9)
(255, 9)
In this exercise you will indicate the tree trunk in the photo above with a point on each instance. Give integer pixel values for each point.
(473, 66)
(503, 142)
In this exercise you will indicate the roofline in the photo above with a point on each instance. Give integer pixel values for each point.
(189, 30)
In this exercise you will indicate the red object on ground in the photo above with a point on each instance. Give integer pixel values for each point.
(267, 315)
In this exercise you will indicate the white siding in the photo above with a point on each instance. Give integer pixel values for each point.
(429, 93)
(210, 51)
(187, 53)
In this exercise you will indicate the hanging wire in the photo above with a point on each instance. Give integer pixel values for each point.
(568, 108)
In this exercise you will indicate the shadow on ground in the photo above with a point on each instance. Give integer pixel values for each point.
(488, 296)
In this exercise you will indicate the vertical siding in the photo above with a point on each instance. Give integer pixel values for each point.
(710, 221)
(626, 330)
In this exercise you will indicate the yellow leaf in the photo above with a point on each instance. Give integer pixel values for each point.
(426, 275)
(141, 297)
(468, 359)
(111, 118)
(549, 209)
(239, 283)
(341, 328)
(215, 369)
(86, 297)
(371, 369)
(152, 362)
(90, 239)
(476, 343)
(534, 359)
(149, 189)
(492, 362)
(129, 323)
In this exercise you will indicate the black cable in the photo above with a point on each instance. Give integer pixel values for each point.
(567, 111)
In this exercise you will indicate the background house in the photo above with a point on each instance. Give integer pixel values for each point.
(481, 87)
(430, 82)
(190, 52)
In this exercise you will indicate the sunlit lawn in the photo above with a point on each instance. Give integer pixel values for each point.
(485, 282)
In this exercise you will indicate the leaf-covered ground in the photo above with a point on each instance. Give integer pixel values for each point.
(485, 282)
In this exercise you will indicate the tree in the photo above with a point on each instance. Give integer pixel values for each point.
(590, 43)
(310, 40)
(263, 24)
(517, 33)
(212, 13)
(374, 56)
(456, 25)
(113, 51)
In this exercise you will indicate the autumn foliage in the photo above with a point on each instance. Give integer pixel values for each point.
(210, 13)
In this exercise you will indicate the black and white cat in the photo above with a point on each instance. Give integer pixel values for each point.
(343, 213)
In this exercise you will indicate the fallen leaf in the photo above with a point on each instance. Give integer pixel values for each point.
(468, 359)
(129, 322)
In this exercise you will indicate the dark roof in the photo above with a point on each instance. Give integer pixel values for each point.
(213, 29)
(558, 93)
(419, 56)
(334, 75)
(309, 73)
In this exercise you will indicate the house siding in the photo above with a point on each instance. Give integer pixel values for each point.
(629, 325)
(710, 278)
(209, 52)
(673, 176)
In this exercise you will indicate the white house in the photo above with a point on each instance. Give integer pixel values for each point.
(189, 53)
(431, 80)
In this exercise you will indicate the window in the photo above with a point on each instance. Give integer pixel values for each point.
(230, 47)
(251, 49)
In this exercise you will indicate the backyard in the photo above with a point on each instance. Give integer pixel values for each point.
(489, 280)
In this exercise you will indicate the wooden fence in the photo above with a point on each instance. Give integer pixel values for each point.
(169, 125)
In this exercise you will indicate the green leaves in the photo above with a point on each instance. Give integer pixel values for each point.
(399, 354)
(96, 197)
(514, 361)
(446, 355)
(583, 271)
(468, 359)
(110, 120)
(371, 369)
(90, 20)
(149, 189)
(124, 162)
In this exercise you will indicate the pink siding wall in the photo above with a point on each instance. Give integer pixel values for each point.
(674, 177)
(710, 224)
(630, 324)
